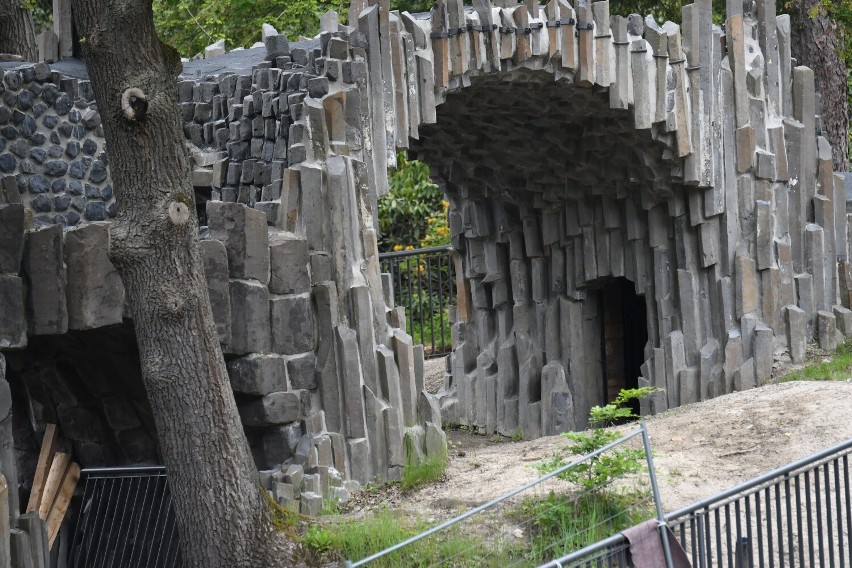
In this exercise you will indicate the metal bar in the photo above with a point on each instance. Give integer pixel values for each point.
(760, 480)
(810, 523)
(413, 252)
(818, 502)
(112, 506)
(86, 491)
(848, 501)
(129, 484)
(98, 519)
(799, 533)
(493, 502)
(441, 299)
(739, 531)
(837, 507)
(789, 520)
(779, 525)
(428, 260)
(759, 529)
(728, 531)
(420, 300)
(93, 472)
(768, 498)
(718, 524)
(829, 531)
(658, 504)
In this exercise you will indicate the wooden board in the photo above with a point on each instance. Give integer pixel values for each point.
(54, 480)
(60, 504)
(45, 458)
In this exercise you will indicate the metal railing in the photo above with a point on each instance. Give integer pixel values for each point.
(609, 556)
(423, 285)
(797, 515)
(126, 520)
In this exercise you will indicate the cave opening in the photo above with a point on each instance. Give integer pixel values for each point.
(624, 336)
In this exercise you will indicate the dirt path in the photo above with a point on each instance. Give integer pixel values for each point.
(699, 449)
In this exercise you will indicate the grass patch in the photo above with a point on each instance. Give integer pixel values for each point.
(563, 523)
(357, 539)
(837, 368)
(427, 471)
(421, 471)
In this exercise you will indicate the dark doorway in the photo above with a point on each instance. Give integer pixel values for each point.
(623, 336)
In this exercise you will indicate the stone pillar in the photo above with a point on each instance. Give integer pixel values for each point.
(7, 452)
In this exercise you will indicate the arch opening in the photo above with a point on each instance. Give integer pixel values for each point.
(550, 192)
(624, 336)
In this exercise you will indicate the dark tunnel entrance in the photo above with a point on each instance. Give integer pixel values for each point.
(624, 335)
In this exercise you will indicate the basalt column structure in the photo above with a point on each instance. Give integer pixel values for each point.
(328, 385)
(632, 204)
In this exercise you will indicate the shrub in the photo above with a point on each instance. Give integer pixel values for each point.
(405, 211)
(596, 473)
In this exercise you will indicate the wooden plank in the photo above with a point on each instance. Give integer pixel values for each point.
(45, 457)
(60, 505)
(54, 480)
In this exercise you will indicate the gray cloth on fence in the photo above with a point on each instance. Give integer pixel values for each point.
(646, 547)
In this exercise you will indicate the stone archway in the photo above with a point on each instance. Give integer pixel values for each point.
(551, 192)
(571, 143)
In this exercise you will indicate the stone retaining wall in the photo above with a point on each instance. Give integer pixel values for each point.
(326, 379)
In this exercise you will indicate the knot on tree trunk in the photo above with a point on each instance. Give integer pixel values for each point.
(134, 104)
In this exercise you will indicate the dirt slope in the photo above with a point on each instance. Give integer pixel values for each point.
(699, 449)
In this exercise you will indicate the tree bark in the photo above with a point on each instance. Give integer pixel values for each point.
(222, 514)
(817, 43)
(17, 32)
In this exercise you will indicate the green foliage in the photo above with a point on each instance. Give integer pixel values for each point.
(562, 524)
(358, 538)
(282, 519)
(595, 473)
(190, 25)
(318, 540)
(423, 470)
(838, 367)
(405, 211)
(42, 12)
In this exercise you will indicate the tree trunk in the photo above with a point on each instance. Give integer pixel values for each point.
(817, 43)
(17, 33)
(222, 514)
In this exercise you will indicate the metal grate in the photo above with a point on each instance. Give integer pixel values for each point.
(423, 285)
(126, 520)
(797, 515)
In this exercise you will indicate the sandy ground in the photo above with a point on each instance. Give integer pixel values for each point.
(700, 449)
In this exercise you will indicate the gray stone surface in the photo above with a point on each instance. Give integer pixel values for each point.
(292, 324)
(275, 408)
(94, 289)
(215, 259)
(257, 374)
(243, 232)
(694, 179)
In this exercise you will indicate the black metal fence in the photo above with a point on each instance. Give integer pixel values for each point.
(423, 285)
(126, 520)
(797, 515)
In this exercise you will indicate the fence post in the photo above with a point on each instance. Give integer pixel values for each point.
(664, 536)
(743, 553)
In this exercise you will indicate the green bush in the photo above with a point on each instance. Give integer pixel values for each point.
(405, 211)
(595, 474)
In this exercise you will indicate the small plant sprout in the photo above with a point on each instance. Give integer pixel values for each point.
(597, 472)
